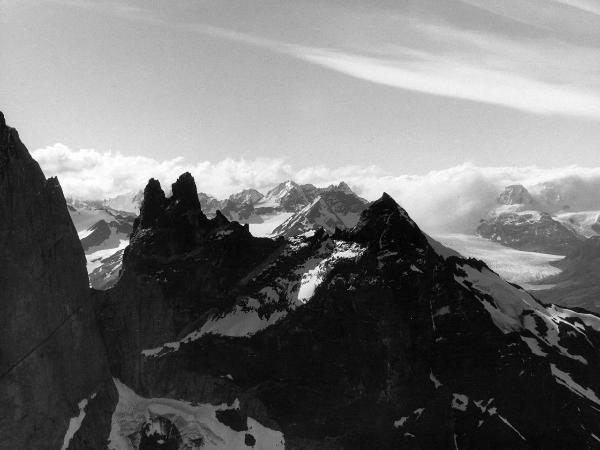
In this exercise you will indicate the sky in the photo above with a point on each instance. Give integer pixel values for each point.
(107, 94)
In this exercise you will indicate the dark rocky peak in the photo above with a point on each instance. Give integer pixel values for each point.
(515, 194)
(385, 225)
(185, 193)
(11, 148)
(153, 205)
(220, 220)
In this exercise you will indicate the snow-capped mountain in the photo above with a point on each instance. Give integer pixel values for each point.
(288, 201)
(125, 202)
(329, 210)
(518, 222)
(104, 234)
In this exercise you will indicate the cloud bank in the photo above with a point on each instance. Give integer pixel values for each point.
(449, 200)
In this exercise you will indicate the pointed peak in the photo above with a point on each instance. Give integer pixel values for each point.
(385, 224)
(185, 192)
(152, 204)
(219, 219)
(2, 120)
(387, 198)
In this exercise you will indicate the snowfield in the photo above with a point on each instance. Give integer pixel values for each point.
(196, 423)
(515, 266)
(271, 222)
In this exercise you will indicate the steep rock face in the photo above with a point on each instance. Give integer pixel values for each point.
(374, 338)
(519, 223)
(51, 356)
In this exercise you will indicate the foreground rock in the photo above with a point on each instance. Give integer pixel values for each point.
(53, 367)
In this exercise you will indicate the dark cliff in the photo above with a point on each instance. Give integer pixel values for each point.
(51, 355)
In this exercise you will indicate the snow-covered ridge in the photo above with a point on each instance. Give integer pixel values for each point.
(293, 289)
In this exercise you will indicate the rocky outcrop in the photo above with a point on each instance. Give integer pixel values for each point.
(51, 355)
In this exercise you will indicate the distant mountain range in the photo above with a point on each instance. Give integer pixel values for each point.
(286, 210)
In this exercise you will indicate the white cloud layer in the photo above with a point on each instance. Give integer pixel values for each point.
(450, 200)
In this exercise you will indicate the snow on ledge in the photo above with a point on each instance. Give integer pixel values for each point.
(565, 379)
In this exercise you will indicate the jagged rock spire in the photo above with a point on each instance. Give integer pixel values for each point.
(185, 192)
(152, 205)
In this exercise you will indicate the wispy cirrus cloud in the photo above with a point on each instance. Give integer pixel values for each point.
(541, 75)
(590, 6)
(536, 76)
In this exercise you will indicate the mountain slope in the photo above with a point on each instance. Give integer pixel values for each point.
(368, 338)
(577, 285)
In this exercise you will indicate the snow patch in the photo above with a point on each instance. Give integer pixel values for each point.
(314, 277)
(460, 402)
(434, 380)
(565, 379)
(534, 346)
(75, 422)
